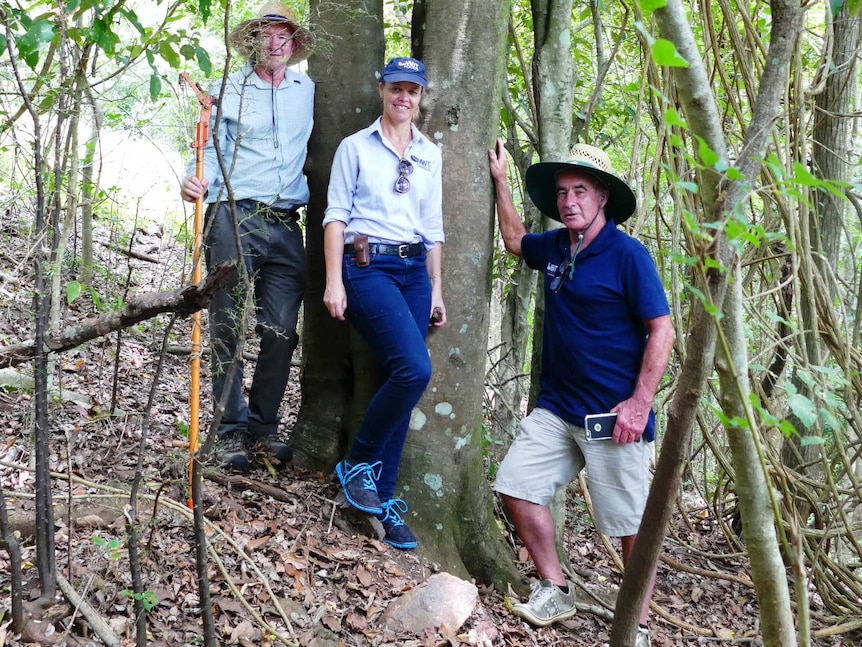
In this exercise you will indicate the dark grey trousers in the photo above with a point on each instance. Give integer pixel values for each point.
(274, 256)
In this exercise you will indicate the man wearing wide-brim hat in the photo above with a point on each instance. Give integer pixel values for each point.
(265, 117)
(607, 341)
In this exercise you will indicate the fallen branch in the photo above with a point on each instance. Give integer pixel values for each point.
(94, 620)
(242, 482)
(139, 307)
(132, 253)
(175, 349)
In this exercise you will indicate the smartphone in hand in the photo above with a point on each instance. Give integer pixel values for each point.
(600, 426)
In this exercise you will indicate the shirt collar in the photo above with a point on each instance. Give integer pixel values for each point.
(605, 239)
(252, 78)
(376, 127)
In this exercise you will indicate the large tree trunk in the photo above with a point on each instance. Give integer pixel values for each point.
(346, 100)
(553, 88)
(451, 505)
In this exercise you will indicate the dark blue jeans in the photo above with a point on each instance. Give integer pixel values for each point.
(389, 302)
(275, 260)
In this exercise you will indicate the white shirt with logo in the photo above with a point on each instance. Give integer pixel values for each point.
(362, 189)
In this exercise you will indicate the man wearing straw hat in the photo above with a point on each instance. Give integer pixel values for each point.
(265, 120)
(607, 341)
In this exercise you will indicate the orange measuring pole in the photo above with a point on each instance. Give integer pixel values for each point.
(200, 142)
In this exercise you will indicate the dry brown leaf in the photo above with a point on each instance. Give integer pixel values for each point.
(349, 555)
(393, 569)
(365, 578)
(357, 622)
(243, 631)
(254, 544)
(331, 622)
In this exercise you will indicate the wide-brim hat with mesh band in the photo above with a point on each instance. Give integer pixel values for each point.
(244, 37)
(542, 182)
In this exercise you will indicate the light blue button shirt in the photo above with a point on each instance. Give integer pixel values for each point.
(268, 128)
(362, 189)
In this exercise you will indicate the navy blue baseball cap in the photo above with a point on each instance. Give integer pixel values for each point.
(404, 69)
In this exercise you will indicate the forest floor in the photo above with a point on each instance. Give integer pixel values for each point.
(278, 538)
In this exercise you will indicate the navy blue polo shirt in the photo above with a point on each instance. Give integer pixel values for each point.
(594, 332)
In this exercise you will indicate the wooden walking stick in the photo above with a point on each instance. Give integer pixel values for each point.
(200, 142)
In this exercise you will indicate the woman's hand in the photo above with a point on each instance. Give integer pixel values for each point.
(434, 264)
(334, 296)
(438, 312)
(335, 299)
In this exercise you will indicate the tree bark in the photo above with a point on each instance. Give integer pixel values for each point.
(139, 307)
(451, 505)
(346, 100)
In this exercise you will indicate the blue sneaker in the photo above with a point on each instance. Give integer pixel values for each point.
(397, 532)
(357, 481)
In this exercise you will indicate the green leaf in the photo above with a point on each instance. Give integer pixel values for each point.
(648, 6)
(664, 53)
(169, 54)
(40, 31)
(132, 17)
(672, 118)
(835, 7)
(854, 7)
(830, 420)
(102, 34)
(803, 408)
(707, 156)
(787, 428)
(810, 440)
(2, 44)
(204, 61)
(73, 291)
(804, 177)
(691, 187)
(155, 86)
(205, 7)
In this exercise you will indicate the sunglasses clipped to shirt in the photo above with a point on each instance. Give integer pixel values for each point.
(405, 168)
(567, 269)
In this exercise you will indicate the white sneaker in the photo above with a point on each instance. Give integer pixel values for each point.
(642, 639)
(547, 604)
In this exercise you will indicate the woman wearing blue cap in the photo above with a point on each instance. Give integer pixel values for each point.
(383, 242)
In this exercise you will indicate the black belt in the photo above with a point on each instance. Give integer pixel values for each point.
(401, 251)
(278, 214)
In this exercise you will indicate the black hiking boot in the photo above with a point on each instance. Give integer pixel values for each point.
(232, 453)
(277, 449)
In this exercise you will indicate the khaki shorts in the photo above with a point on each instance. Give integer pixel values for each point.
(548, 452)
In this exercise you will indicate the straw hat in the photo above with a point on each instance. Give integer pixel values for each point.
(244, 36)
(542, 182)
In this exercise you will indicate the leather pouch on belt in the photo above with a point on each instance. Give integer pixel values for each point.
(360, 246)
